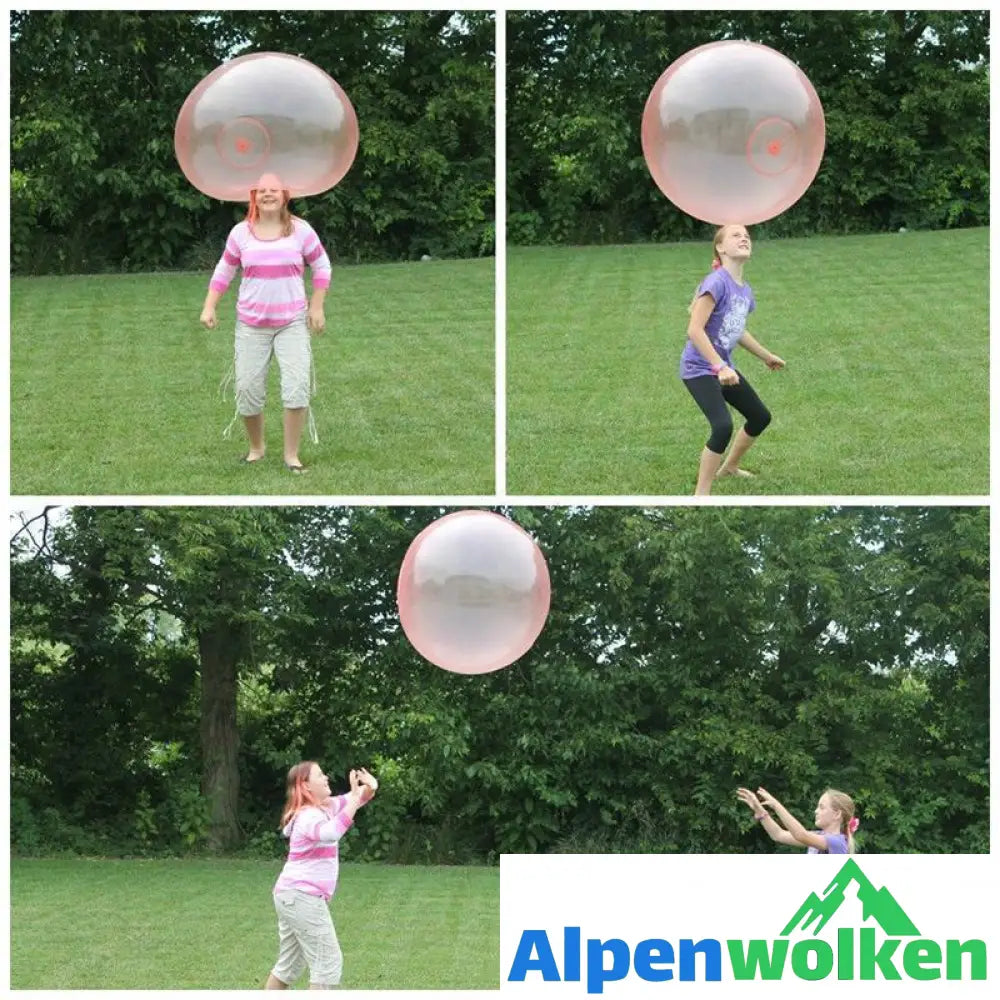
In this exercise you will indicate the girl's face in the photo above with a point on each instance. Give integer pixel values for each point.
(826, 815)
(735, 243)
(270, 192)
(269, 198)
(318, 784)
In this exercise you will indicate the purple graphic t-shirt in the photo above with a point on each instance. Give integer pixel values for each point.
(733, 303)
(836, 843)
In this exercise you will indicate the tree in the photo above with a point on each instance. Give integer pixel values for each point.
(687, 651)
(902, 92)
(214, 570)
(95, 95)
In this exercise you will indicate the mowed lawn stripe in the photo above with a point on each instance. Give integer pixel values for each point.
(115, 387)
(886, 390)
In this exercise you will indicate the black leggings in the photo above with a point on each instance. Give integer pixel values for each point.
(711, 395)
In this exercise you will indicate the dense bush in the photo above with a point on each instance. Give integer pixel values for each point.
(687, 652)
(95, 94)
(904, 94)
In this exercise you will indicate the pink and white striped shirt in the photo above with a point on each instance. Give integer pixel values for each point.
(272, 292)
(313, 863)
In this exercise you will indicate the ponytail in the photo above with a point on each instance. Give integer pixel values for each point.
(844, 804)
(716, 261)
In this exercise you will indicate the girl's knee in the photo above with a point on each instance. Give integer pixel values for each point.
(250, 400)
(759, 423)
(722, 431)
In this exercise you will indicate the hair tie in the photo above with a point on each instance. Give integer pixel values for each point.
(853, 825)
(716, 264)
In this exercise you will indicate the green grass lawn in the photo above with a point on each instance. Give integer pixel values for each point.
(81, 924)
(115, 387)
(886, 392)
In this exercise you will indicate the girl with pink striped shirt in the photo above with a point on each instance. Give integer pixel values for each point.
(314, 821)
(273, 247)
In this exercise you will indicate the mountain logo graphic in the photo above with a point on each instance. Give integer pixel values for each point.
(877, 904)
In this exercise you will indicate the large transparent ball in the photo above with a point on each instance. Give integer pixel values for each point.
(733, 132)
(266, 113)
(473, 592)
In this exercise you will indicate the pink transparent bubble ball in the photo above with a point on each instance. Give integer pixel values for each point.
(473, 592)
(266, 113)
(733, 132)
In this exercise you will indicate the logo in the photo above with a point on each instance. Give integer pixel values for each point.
(884, 944)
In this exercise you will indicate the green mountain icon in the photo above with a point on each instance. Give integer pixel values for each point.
(877, 904)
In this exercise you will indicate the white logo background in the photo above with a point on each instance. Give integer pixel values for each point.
(636, 897)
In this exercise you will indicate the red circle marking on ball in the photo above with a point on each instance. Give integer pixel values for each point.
(242, 145)
(774, 148)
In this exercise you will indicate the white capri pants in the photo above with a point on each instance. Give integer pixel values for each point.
(306, 937)
(255, 346)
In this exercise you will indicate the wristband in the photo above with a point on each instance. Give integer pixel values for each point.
(761, 817)
(718, 368)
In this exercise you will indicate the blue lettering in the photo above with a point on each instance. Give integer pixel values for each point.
(711, 949)
(571, 954)
(597, 974)
(649, 951)
(524, 963)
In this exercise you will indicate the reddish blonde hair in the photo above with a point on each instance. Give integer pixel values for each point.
(253, 211)
(298, 795)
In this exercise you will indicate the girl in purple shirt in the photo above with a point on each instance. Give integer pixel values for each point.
(718, 323)
(835, 821)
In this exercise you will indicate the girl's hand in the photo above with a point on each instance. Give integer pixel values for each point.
(316, 320)
(774, 362)
(767, 798)
(745, 795)
(367, 778)
(357, 792)
(369, 786)
(727, 376)
(208, 317)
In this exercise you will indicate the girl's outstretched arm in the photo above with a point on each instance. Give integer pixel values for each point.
(771, 828)
(802, 836)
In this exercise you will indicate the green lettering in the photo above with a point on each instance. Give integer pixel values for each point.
(975, 949)
(917, 955)
(845, 953)
(818, 969)
(758, 957)
(881, 958)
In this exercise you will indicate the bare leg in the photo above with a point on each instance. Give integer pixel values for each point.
(707, 468)
(255, 432)
(295, 420)
(274, 983)
(742, 444)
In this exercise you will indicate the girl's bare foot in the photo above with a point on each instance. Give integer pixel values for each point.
(740, 473)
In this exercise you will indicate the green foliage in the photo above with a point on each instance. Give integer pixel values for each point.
(95, 94)
(688, 651)
(903, 94)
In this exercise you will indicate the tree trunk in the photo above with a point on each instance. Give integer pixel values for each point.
(220, 646)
